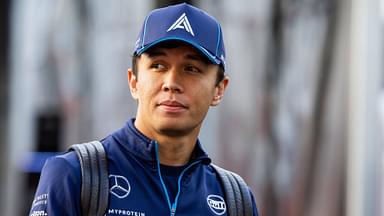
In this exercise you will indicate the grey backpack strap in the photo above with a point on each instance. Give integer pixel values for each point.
(245, 194)
(229, 191)
(94, 177)
(237, 195)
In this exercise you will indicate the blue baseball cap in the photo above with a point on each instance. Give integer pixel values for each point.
(186, 23)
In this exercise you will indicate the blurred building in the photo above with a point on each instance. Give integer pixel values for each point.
(301, 120)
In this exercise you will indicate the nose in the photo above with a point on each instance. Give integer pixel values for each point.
(172, 82)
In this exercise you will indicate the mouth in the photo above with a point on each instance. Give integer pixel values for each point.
(172, 106)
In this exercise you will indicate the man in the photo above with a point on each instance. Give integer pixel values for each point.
(156, 164)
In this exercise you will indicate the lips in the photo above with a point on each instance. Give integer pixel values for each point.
(172, 103)
(172, 106)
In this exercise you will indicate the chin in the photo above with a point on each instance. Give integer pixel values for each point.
(175, 129)
(177, 126)
(173, 132)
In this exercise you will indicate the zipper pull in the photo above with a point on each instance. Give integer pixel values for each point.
(173, 210)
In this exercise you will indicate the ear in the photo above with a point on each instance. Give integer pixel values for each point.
(219, 91)
(132, 82)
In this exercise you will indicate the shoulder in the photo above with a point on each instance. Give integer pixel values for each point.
(58, 192)
(57, 169)
(66, 162)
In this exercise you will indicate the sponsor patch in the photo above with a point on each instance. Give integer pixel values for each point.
(216, 204)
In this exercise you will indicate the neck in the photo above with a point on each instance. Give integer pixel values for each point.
(175, 151)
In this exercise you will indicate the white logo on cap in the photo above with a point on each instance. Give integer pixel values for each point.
(182, 23)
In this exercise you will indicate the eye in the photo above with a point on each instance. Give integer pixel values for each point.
(157, 66)
(192, 69)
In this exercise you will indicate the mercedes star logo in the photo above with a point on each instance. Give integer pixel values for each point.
(120, 186)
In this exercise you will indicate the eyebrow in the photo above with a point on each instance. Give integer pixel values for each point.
(195, 57)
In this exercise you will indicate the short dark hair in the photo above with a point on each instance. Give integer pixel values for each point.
(220, 72)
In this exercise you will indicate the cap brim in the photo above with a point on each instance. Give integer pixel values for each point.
(211, 57)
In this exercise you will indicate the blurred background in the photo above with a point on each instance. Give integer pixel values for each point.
(302, 119)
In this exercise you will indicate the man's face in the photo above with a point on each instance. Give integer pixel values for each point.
(174, 89)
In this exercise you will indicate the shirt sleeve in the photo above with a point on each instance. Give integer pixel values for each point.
(58, 192)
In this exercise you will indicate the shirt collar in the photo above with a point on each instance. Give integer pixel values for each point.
(137, 143)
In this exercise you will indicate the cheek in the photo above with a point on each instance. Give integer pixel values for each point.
(204, 95)
(147, 88)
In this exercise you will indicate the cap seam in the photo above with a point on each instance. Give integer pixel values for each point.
(218, 39)
(145, 30)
